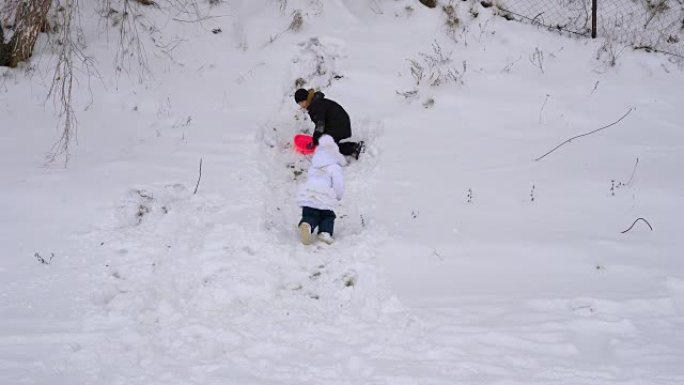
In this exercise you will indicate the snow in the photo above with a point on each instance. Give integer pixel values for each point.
(458, 257)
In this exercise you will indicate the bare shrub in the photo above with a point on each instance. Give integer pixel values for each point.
(295, 26)
(283, 5)
(452, 21)
(433, 69)
(537, 59)
(439, 68)
(317, 63)
(417, 71)
(609, 52)
(123, 15)
(297, 21)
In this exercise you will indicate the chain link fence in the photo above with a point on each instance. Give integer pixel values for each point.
(652, 25)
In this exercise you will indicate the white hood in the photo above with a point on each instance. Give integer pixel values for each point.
(327, 153)
(324, 184)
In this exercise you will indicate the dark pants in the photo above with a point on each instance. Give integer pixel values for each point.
(347, 148)
(323, 219)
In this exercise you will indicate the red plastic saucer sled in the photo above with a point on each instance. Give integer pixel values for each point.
(301, 144)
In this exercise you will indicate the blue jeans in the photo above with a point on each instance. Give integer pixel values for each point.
(323, 219)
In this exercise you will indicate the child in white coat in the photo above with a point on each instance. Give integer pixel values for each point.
(319, 196)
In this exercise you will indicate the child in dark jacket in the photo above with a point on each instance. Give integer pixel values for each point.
(330, 118)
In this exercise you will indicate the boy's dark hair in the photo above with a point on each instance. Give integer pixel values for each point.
(301, 95)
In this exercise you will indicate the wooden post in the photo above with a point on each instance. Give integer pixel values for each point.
(593, 18)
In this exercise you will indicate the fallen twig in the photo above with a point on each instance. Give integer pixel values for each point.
(200, 19)
(541, 111)
(587, 133)
(43, 260)
(634, 223)
(199, 178)
(509, 66)
(595, 87)
(629, 182)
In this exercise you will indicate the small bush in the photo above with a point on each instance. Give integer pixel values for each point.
(433, 69)
(297, 21)
(452, 19)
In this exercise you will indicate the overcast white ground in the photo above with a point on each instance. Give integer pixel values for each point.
(458, 259)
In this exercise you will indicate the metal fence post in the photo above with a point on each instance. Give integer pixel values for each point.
(593, 18)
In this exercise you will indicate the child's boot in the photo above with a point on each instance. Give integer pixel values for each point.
(305, 233)
(360, 147)
(325, 237)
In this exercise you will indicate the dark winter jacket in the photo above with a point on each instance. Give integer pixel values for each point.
(330, 118)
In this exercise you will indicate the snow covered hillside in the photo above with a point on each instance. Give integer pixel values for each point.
(459, 258)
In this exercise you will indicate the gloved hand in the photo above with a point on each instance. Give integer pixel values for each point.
(316, 135)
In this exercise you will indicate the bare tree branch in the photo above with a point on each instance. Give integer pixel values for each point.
(541, 111)
(201, 18)
(629, 182)
(69, 41)
(634, 223)
(587, 133)
(62, 83)
(199, 178)
(129, 39)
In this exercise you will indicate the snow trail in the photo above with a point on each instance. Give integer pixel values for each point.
(187, 294)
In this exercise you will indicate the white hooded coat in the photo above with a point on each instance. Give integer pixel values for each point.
(324, 184)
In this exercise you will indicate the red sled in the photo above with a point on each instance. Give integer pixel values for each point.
(302, 144)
